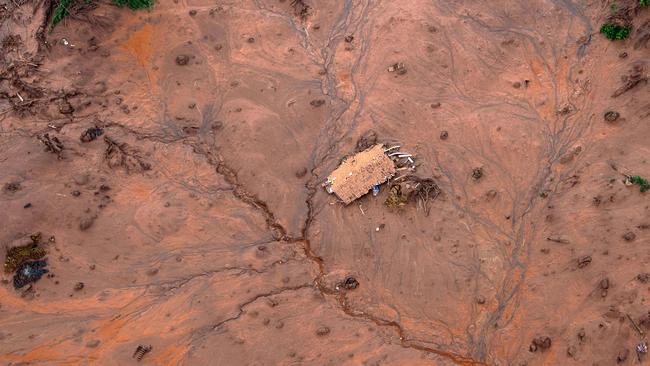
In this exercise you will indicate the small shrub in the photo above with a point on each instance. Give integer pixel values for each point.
(615, 31)
(60, 12)
(134, 4)
(641, 182)
(644, 2)
(62, 9)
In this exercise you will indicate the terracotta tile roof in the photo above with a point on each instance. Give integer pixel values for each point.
(358, 173)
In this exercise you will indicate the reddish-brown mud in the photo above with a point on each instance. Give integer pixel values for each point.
(195, 222)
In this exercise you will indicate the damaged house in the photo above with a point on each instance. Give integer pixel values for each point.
(359, 173)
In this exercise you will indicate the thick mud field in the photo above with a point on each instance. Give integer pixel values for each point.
(172, 162)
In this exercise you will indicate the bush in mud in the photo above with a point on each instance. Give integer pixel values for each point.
(641, 182)
(64, 8)
(615, 31)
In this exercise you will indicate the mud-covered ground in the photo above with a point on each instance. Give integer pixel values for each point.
(195, 222)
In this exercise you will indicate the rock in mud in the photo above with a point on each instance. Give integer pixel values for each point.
(444, 135)
(611, 116)
(584, 261)
(182, 60)
(322, 331)
(300, 173)
(604, 283)
(540, 343)
(29, 272)
(12, 187)
(317, 102)
(571, 351)
(477, 173)
(350, 283)
(93, 343)
(78, 286)
(86, 223)
(622, 355)
(629, 236)
(91, 134)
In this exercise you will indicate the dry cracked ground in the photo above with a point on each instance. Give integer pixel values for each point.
(192, 219)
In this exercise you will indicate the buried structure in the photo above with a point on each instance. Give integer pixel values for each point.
(360, 173)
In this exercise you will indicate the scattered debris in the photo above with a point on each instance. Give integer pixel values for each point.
(350, 283)
(18, 255)
(540, 343)
(182, 60)
(358, 173)
(611, 116)
(635, 76)
(622, 355)
(12, 187)
(636, 327)
(322, 331)
(557, 239)
(317, 102)
(422, 191)
(629, 236)
(300, 9)
(141, 351)
(366, 141)
(52, 144)
(643, 277)
(121, 154)
(65, 107)
(397, 68)
(395, 197)
(29, 272)
(584, 261)
(91, 134)
(477, 173)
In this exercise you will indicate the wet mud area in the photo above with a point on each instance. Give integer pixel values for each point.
(162, 171)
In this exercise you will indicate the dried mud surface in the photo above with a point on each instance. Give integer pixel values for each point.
(195, 222)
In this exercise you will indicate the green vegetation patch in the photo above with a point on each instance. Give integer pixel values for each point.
(615, 31)
(62, 9)
(644, 2)
(134, 4)
(641, 182)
